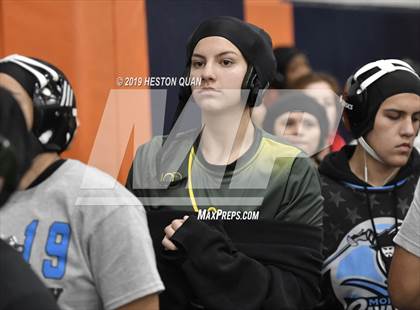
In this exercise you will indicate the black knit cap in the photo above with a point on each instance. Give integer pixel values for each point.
(15, 144)
(393, 83)
(296, 101)
(253, 42)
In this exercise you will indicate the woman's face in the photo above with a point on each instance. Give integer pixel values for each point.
(322, 92)
(300, 129)
(222, 68)
(396, 126)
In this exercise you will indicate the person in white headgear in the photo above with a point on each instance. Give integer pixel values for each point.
(368, 187)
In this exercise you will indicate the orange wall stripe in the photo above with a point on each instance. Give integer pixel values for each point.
(93, 42)
(274, 16)
(1, 29)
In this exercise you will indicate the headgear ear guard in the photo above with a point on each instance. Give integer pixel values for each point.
(252, 82)
(55, 113)
(357, 105)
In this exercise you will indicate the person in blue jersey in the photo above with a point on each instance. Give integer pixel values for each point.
(89, 243)
(20, 288)
(368, 187)
(199, 187)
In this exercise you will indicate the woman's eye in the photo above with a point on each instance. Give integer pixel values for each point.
(197, 63)
(227, 62)
(393, 116)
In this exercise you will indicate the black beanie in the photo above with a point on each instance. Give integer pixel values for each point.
(393, 83)
(253, 42)
(15, 144)
(296, 101)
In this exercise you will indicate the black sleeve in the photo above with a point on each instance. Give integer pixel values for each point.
(332, 216)
(223, 277)
(302, 201)
(20, 288)
(328, 298)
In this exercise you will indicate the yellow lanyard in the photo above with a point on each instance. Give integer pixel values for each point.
(190, 188)
(189, 183)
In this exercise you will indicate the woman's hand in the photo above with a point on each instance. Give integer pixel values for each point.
(169, 231)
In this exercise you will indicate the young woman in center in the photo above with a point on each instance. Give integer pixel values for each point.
(234, 212)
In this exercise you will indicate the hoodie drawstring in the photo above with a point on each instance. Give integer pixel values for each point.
(376, 241)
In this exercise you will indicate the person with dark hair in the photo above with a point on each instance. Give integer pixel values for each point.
(368, 187)
(301, 121)
(292, 64)
(235, 213)
(20, 288)
(87, 242)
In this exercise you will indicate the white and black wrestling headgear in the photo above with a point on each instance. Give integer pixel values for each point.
(55, 113)
(369, 87)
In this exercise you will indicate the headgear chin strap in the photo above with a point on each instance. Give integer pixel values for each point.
(368, 149)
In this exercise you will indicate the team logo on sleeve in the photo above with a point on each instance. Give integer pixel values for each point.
(358, 268)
